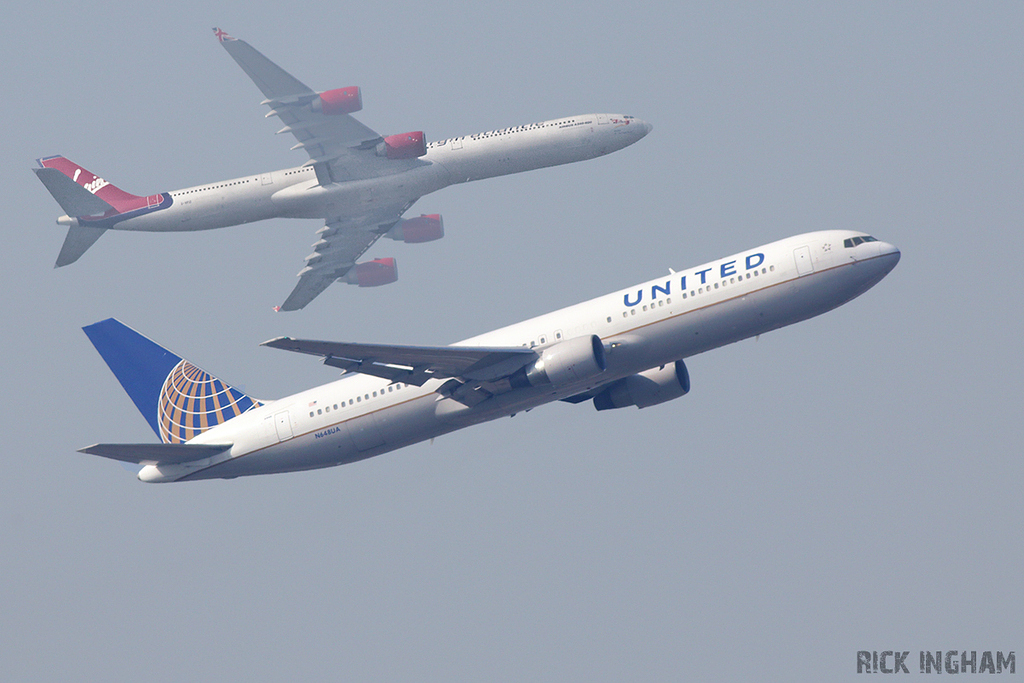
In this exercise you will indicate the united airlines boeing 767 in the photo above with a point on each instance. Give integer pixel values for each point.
(359, 182)
(623, 349)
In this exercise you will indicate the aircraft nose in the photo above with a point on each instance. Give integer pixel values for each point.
(624, 131)
(889, 255)
(886, 249)
(629, 126)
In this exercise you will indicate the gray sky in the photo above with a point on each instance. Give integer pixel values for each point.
(849, 483)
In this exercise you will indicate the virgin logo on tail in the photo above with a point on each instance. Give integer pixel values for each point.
(96, 185)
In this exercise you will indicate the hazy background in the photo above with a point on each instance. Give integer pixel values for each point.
(853, 482)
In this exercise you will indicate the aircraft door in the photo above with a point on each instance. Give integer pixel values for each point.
(804, 265)
(283, 421)
(267, 179)
(602, 118)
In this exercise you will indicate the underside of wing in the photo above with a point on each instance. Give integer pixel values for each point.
(471, 374)
(414, 364)
(311, 284)
(341, 242)
(155, 453)
(340, 148)
(334, 255)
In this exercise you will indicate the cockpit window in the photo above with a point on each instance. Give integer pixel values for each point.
(854, 241)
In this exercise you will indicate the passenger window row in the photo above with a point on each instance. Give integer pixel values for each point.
(397, 386)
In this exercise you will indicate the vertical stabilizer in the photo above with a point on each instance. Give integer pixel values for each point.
(91, 203)
(72, 197)
(179, 400)
(112, 195)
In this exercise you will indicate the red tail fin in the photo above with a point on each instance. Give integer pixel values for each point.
(116, 197)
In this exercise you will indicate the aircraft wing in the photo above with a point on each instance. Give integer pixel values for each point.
(341, 241)
(340, 148)
(474, 372)
(155, 453)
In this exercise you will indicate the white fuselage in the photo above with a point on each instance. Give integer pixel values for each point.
(642, 327)
(296, 192)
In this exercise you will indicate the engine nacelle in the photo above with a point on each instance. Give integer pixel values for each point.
(379, 271)
(648, 388)
(426, 228)
(338, 101)
(403, 146)
(569, 361)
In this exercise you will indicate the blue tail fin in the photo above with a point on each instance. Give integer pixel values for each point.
(178, 399)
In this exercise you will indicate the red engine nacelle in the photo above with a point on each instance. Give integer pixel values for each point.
(338, 101)
(379, 271)
(404, 146)
(425, 228)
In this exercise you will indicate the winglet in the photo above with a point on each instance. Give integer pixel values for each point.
(222, 35)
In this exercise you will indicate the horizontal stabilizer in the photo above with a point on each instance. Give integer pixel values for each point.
(72, 197)
(78, 240)
(156, 453)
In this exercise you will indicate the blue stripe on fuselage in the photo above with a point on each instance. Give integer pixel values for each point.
(108, 222)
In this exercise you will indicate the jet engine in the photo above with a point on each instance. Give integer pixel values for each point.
(569, 361)
(403, 146)
(425, 228)
(338, 101)
(380, 271)
(648, 388)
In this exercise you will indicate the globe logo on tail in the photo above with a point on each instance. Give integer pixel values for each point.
(192, 401)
